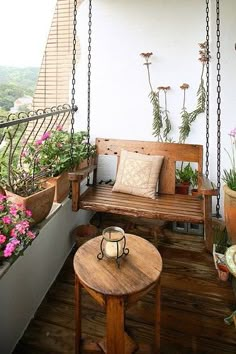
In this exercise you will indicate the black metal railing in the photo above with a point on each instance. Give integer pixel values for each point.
(20, 131)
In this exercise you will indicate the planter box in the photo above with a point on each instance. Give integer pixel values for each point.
(39, 203)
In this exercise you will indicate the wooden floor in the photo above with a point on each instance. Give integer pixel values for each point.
(194, 304)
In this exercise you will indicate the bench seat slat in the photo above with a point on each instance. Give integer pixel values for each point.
(101, 198)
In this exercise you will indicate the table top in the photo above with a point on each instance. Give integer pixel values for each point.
(138, 270)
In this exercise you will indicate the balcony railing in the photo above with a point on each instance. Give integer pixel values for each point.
(21, 132)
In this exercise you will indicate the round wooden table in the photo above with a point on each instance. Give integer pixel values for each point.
(117, 288)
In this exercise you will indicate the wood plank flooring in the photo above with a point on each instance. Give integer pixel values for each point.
(193, 304)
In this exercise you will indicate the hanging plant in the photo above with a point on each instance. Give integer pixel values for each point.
(184, 129)
(189, 118)
(161, 123)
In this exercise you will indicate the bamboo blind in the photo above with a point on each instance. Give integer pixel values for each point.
(54, 80)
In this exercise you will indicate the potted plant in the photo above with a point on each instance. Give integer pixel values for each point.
(194, 183)
(23, 184)
(54, 153)
(229, 177)
(220, 244)
(15, 233)
(183, 177)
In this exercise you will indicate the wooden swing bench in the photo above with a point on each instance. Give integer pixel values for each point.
(167, 205)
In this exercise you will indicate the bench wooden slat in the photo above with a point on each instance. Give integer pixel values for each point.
(102, 199)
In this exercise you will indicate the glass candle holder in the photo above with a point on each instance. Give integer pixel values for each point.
(113, 244)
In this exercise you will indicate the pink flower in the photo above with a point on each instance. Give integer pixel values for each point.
(59, 145)
(1, 207)
(59, 127)
(10, 248)
(38, 142)
(2, 238)
(2, 197)
(28, 213)
(22, 226)
(24, 154)
(46, 136)
(13, 233)
(30, 234)
(15, 242)
(6, 219)
(13, 210)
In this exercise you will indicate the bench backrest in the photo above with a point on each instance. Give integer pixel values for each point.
(171, 151)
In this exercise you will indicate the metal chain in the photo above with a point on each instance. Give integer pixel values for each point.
(218, 106)
(89, 83)
(207, 88)
(73, 106)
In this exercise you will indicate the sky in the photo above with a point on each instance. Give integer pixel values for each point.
(24, 27)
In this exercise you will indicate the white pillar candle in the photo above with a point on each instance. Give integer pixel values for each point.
(111, 249)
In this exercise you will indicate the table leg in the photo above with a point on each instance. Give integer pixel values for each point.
(77, 316)
(157, 333)
(115, 342)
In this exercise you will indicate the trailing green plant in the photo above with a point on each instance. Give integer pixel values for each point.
(229, 176)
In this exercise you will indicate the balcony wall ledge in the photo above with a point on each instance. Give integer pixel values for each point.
(25, 282)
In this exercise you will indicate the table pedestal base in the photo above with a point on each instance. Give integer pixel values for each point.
(130, 345)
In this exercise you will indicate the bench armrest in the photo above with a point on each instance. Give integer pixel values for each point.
(206, 187)
(80, 174)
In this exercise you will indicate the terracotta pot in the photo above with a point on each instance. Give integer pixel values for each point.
(83, 233)
(182, 188)
(39, 203)
(230, 213)
(62, 186)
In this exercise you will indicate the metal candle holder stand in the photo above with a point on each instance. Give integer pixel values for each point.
(113, 247)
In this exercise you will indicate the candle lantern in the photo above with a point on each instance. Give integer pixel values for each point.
(113, 244)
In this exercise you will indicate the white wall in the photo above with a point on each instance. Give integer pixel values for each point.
(170, 29)
(27, 281)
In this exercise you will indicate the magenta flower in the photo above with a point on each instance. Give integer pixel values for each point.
(13, 233)
(6, 219)
(2, 238)
(2, 197)
(46, 136)
(30, 234)
(38, 142)
(13, 210)
(10, 248)
(22, 226)
(28, 213)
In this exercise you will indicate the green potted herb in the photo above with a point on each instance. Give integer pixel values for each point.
(183, 177)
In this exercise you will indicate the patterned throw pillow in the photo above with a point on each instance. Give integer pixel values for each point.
(138, 174)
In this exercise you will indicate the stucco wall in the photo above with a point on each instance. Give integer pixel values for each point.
(170, 29)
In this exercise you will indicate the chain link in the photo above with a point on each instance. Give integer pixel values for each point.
(89, 83)
(207, 88)
(73, 106)
(218, 67)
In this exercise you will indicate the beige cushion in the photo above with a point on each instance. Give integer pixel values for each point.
(138, 174)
